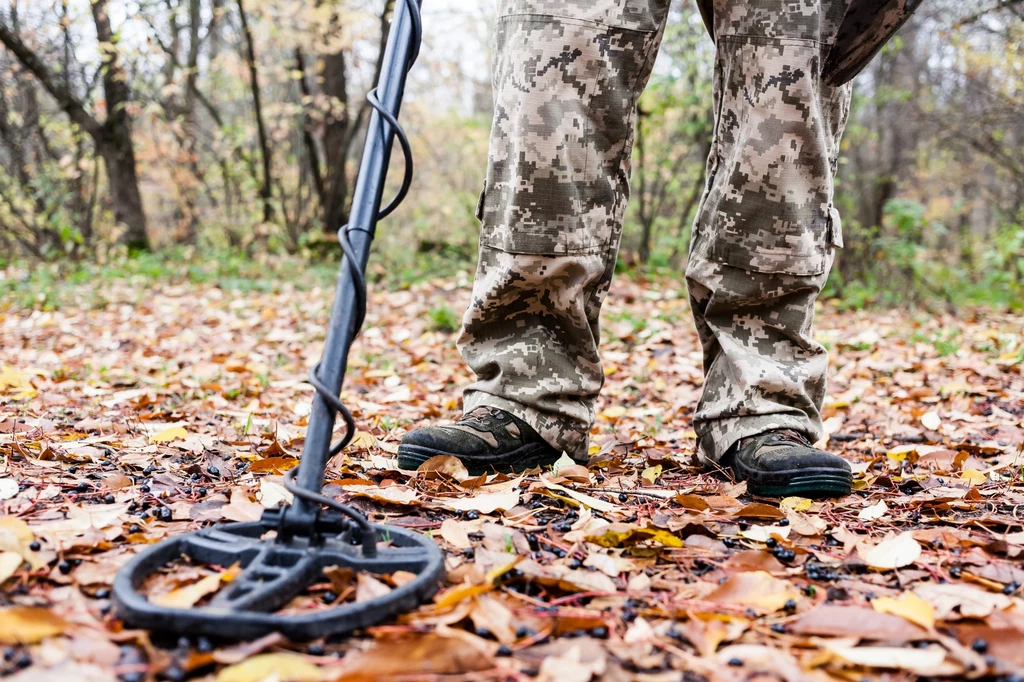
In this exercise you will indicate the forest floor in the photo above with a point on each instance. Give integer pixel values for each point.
(162, 411)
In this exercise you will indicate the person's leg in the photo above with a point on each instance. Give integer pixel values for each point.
(766, 228)
(566, 74)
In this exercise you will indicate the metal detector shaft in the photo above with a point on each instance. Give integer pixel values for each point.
(366, 202)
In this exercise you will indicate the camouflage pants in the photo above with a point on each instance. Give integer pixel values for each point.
(567, 75)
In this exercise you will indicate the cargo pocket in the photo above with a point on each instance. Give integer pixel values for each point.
(768, 206)
(566, 78)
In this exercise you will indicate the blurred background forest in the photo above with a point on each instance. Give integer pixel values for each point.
(213, 133)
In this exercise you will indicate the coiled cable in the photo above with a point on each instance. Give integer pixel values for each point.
(358, 278)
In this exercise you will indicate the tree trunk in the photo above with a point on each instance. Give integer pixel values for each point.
(266, 191)
(122, 178)
(118, 151)
(336, 133)
(113, 137)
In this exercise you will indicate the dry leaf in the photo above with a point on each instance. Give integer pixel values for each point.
(584, 499)
(895, 552)
(755, 588)
(485, 503)
(454, 533)
(969, 601)
(833, 620)
(874, 512)
(444, 652)
(622, 534)
(909, 606)
(28, 624)
(445, 464)
(763, 533)
(927, 661)
(368, 587)
(170, 434)
(190, 595)
(277, 667)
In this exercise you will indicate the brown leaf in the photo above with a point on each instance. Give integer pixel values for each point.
(444, 652)
(755, 588)
(833, 620)
(759, 510)
(368, 587)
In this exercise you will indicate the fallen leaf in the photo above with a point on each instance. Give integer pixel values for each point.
(29, 624)
(584, 499)
(368, 587)
(833, 620)
(764, 533)
(388, 494)
(454, 533)
(651, 474)
(492, 615)
(931, 420)
(169, 434)
(10, 562)
(874, 512)
(570, 666)
(759, 510)
(755, 588)
(278, 667)
(927, 661)
(8, 488)
(799, 504)
(272, 495)
(485, 503)
(908, 605)
(968, 601)
(190, 595)
(443, 652)
(445, 464)
(895, 552)
(622, 534)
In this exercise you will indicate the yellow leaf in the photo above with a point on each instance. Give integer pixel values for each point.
(796, 503)
(279, 667)
(169, 434)
(363, 440)
(594, 503)
(973, 476)
(651, 474)
(613, 413)
(620, 534)
(28, 624)
(15, 381)
(908, 606)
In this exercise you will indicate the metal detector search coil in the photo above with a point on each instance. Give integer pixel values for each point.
(289, 548)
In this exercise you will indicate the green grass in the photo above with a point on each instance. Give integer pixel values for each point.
(444, 319)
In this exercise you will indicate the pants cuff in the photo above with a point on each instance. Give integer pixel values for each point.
(714, 438)
(561, 433)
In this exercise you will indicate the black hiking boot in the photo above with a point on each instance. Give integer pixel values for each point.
(486, 440)
(784, 463)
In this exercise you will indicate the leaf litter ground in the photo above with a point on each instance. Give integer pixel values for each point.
(167, 410)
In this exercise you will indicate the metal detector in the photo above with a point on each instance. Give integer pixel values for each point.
(289, 548)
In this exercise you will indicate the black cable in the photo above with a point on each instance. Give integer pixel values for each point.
(367, 536)
(387, 120)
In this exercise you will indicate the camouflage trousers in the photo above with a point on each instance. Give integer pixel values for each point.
(566, 76)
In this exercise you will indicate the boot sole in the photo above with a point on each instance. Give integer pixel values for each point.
(410, 457)
(812, 483)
